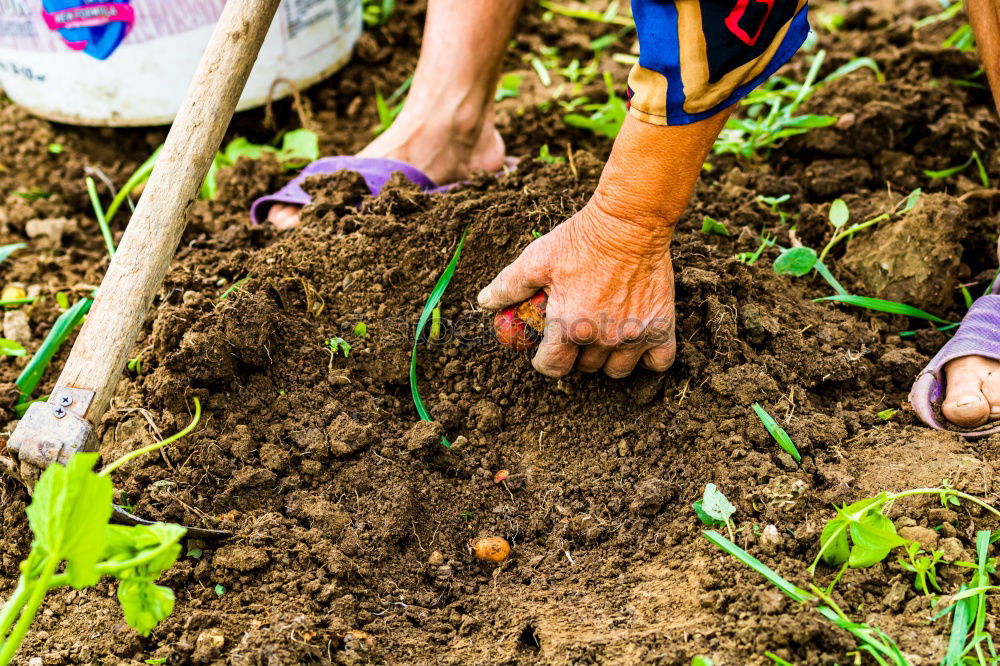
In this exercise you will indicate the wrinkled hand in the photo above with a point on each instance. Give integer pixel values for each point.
(610, 288)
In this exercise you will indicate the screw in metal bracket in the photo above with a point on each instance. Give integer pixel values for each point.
(59, 412)
(65, 400)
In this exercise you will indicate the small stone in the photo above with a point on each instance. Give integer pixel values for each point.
(208, 645)
(770, 540)
(436, 559)
(845, 121)
(488, 416)
(927, 538)
(623, 448)
(16, 326)
(35, 661)
(953, 550)
(52, 229)
(12, 292)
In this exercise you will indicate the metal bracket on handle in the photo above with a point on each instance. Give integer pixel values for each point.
(52, 431)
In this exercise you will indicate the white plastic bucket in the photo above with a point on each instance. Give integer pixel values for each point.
(129, 62)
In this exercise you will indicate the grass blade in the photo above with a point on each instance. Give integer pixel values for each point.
(102, 221)
(28, 380)
(140, 176)
(428, 310)
(796, 593)
(880, 305)
(7, 250)
(778, 433)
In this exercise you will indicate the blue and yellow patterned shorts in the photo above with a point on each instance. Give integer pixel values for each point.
(696, 57)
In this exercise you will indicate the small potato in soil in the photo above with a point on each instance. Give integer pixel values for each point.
(492, 549)
(520, 327)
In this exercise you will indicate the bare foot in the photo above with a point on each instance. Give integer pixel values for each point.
(441, 151)
(972, 394)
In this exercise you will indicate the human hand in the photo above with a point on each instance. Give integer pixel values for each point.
(610, 287)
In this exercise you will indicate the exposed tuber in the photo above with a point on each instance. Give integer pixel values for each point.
(492, 549)
(520, 327)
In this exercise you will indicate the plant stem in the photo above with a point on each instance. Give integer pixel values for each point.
(850, 231)
(12, 608)
(102, 222)
(39, 588)
(158, 445)
(140, 176)
(946, 491)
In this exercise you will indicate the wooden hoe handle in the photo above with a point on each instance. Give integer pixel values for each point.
(136, 273)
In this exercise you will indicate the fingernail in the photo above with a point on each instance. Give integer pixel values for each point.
(483, 298)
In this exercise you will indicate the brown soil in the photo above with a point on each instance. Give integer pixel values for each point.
(354, 526)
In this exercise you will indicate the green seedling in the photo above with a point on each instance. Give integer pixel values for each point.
(32, 373)
(949, 12)
(220, 590)
(839, 216)
(714, 510)
(924, 567)
(984, 177)
(361, 330)
(62, 300)
(710, 225)
(388, 108)
(536, 234)
(969, 613)
(435, 298)
(702, 661)
(542, 71)
(880, 305)
(545, 156)
(772, 111)
(887, 414)
(11, 348)
(135, 365)
(774, 205)
(376, 13)
(34, 194)
(776, 659)
(871, 640)
(435, 333)
(750, 258)
(102, 221)
(604, 119)
(872, 534)
(68, 515)
(962, 39)
(55, 148)
(234, 286)
(508, 88)
(337, 346)
(156, 660)
(778, 433)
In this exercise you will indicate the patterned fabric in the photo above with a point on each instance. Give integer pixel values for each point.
(697, 57)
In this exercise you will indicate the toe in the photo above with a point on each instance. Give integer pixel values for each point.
(283, 216)
(965, 404)
(991, 390)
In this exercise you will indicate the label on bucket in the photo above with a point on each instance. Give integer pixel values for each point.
(103, 61)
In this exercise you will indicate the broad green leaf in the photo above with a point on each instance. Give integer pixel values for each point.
(699, 509)
(243, 147)
(210, 186)
(11, 348)
(145, 604)
(880, 305)
(68, 512)
(715, 504)
(874, 536)
(839, 213)
(833, 542)
(712, 226)
(7, 250)
(298, 148)
(797, 261)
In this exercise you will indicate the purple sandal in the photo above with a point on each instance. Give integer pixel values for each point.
(375, 170)
(978, 335)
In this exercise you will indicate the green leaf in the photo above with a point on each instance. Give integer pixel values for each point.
(797, 261)
(839, 213)
(298, 148)
(699, 509)
(712, 226)
(11, 348)
(833, 542)
(7, 250)
(243, 147)
(702, 661)
(361, 330)
(145, 604)
(796, 593)
(28, 380)
(874, 536)
(68, 513)
(887, 414)
(911, 200)
(777, 432)
(210, 186)
(425, 315)
(715, 504)
(220, 590)
(880, 305)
